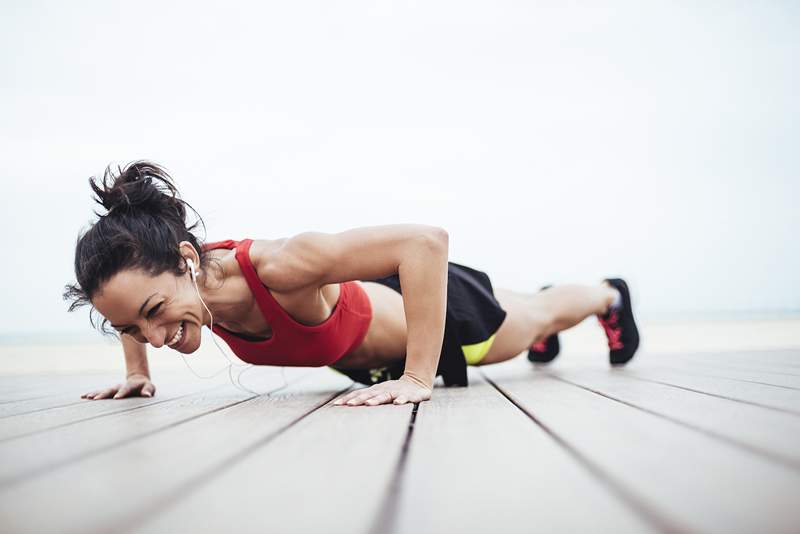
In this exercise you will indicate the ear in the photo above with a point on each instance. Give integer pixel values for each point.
(188, 252)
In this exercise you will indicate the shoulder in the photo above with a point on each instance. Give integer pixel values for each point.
(275, 266)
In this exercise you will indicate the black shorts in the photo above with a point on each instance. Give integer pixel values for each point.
(472, 318)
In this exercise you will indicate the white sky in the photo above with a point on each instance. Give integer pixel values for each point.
(555, 141)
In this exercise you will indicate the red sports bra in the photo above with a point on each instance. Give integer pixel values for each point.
(293, 343)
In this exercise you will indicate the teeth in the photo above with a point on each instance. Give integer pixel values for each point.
(178, 336)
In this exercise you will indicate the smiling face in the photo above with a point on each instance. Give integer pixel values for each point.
(153, 309)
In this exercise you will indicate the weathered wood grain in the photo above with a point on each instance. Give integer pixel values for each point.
(38, 452)
(328, 472)
(40, 421)
(68, 394)
(35, 404)
(769, 396)
(476, 463)
(701, 443)
(15, 388)
(688, 480)
(119, 488)
(732, 370)
(768, 432)
(784, 362)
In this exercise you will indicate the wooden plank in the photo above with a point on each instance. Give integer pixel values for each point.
(169, 385)
(767, 432)
(22, 397)
(751, 364)
(138, 479)
(477, 463)
(723, 370)
(23, 387)
(70, 394)
(31, 423)
(328, 473)
(772, 361)
(38, 404)
(689, 479)
(34, 454)
(784, 399)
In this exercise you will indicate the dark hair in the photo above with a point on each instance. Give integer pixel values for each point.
(144, 224)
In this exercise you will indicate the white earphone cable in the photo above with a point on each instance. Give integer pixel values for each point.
(231, 364)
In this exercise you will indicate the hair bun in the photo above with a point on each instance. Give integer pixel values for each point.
(142, 186)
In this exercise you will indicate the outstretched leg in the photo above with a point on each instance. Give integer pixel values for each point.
(534, 317)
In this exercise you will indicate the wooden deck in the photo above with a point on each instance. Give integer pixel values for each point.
(674, 443)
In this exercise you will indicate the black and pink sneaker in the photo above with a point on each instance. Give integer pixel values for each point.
(546, 350)
(620, 327)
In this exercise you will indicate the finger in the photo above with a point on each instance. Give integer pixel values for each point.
(90, 394)
(106, 393)
(344, 398)
(379, 399)
(124, 391)
(358, 400)
(148, 390)
(401, 399)
(364, 397)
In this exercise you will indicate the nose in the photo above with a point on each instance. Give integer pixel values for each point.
(156, 335)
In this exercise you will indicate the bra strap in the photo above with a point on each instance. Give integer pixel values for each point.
(227, 243)
(265, 300)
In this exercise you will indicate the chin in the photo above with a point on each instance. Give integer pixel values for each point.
(190, 348)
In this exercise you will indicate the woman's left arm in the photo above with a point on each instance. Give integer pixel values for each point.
(423, 277)
(418, 253)
(424, 281)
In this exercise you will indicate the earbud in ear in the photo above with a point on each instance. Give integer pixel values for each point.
(190, 263)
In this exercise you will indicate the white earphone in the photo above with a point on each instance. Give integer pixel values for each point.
(190, 263)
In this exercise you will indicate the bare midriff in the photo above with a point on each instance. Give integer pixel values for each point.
(386, 337)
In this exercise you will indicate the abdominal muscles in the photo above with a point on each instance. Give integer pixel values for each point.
(385, 341)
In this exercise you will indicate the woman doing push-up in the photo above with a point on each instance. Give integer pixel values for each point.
(380, 304)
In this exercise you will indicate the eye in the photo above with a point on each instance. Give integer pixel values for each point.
(153, 309)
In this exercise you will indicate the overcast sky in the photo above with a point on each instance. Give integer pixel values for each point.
(556, 142)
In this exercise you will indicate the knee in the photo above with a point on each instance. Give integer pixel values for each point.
(545, 324)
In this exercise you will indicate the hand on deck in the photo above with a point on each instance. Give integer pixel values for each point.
(405, 389)
(136, 386)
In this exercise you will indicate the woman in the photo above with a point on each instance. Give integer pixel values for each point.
(381, 304)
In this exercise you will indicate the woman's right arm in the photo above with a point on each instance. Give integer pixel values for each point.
(137, 374)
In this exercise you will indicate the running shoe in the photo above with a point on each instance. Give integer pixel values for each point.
(546, 350)
(620, 327)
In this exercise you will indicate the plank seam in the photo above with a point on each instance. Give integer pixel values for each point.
(717, 395)
(780, 459)
(9, 401)
(386, 520)
(81, 456)
(642, 509)
(41, 409)
(49, 468)
(98, 416)
(741, 366)
(694, 373)
(134, 521)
